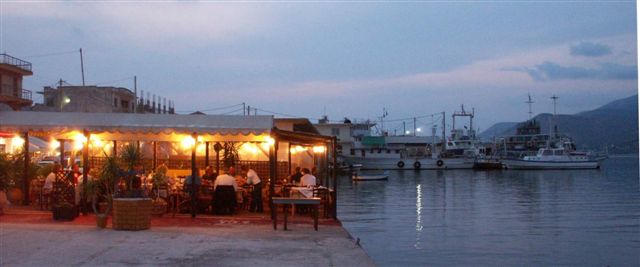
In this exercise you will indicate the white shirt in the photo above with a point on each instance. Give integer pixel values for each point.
(48, 182)
(225, 179)
(252, 177)
(307, 180)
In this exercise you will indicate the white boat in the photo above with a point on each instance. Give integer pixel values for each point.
(555, 159)
(370, 177)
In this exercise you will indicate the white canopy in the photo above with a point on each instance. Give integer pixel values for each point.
(128, 123)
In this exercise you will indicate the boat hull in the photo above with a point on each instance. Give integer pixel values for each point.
(550, 165)
(412, 164)
(370, 177)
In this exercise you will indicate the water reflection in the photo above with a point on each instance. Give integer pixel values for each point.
(418, 215)
(465, 217)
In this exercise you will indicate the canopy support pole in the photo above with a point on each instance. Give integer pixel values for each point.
(62, 161)
(194, 172)
(206, 154)
(25, 178)
(273, 160)
(154, 163)
(335, 179)
(85, 172)
(289, 155)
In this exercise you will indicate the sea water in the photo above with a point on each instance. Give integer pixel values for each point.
(498, 217)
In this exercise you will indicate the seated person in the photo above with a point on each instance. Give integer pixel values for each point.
(209, 175)
(188, 182)
(307, 179)
(295, 177)
(224, 196)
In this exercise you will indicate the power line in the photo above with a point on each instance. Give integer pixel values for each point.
(278, 113)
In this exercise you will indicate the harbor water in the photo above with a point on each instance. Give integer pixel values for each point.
(498, 217)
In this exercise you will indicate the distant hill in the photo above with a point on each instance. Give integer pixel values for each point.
(614, 125)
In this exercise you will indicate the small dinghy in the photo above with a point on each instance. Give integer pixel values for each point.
(370, 177)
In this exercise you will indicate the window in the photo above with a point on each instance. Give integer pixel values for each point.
(379, 151)
(397, 151)
(124, 103)
(335, 131)
(115, 102)
(547, 152)
(388, 151)
(353, 152)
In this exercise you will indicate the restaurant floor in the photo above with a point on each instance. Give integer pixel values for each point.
(30, 237)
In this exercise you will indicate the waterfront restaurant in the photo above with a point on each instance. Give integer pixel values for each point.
(184, 143)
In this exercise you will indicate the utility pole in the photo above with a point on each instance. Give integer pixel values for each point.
(414, 127)
(404, 128)
(244, 109)
(82, 66)
(135, 94)
(554, 97)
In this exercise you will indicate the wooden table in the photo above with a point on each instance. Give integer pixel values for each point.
(314, 201)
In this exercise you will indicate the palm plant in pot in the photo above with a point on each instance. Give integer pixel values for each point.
(131, 207)
(101, 189)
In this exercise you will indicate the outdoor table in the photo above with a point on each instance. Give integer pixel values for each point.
(314, 201)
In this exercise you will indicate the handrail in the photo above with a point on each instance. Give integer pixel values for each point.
(9, 90)
(22, 64)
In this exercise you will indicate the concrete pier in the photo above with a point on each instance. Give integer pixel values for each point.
(219, 245)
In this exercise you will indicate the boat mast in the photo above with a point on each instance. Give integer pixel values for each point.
(444, 137)
(555, 125)
(530, 102)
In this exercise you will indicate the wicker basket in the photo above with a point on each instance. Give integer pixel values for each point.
(132, 213)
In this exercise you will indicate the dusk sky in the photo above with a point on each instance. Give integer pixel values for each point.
(350, 59)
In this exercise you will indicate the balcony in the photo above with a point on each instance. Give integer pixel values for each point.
(16, 62)
(16, 98)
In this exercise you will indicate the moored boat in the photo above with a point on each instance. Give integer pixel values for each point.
(370, 177)
(555, 159)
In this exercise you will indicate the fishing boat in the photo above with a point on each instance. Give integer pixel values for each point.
(560, 158)
(370, 177)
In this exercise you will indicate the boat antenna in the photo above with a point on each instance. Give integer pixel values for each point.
(530, 102)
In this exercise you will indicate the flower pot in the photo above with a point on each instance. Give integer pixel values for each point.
(132, 213)
(101, 220)
(15, 196)
(64, 213)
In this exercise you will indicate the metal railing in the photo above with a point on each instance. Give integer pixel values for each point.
(10, 90)
(7, 59)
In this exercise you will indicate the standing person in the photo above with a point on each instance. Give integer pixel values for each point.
(295, 177)
(307, 179)
(256, 195)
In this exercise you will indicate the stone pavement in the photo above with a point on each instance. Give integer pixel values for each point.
(33, 244)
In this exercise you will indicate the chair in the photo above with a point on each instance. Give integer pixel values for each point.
(184, 199)
(325, 199)
(225, 201)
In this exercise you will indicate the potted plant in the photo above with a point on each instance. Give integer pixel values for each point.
(100, 190)
(159, 179)
(131, 207)
(16, 177)
(63, 197)
(5, 165)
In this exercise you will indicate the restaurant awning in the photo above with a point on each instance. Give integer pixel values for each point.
(128, 123)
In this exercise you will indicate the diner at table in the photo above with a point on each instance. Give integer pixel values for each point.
(224, 195)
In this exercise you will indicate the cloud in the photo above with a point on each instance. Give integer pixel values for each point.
(589, 49)
(155, 25)
(549, 71)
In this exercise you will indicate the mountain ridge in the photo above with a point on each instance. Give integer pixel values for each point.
(613, 126)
